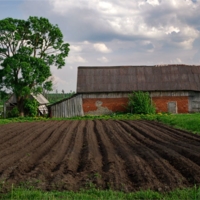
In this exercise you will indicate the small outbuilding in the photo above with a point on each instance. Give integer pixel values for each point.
(103, 90)
(42, 101)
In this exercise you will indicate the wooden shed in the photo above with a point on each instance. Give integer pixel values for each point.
(42, 108)
(103, 90)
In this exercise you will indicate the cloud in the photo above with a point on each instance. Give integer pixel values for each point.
(172, 29)
(75, 59)
(75, 48)
(153, 2)
(103, 59)
(101, 48)
(143, 32)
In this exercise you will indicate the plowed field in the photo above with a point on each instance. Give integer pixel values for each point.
(121, 155)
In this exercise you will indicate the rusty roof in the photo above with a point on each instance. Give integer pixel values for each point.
(138, 78)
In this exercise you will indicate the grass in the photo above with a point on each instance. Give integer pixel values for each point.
(190, 122)
(92, 194)
(22, 119)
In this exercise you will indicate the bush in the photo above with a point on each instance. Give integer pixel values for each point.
(31, 107)
(140, 103)
(13, 113)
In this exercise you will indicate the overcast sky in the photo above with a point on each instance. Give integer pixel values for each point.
(117, 32)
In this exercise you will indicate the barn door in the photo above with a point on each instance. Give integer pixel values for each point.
(172, 107)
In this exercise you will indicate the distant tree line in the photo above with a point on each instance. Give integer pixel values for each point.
(54, 97)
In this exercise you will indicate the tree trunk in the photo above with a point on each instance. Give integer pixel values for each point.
(21, 113)
(20, 106)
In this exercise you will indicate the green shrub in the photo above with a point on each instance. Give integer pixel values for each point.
(13, 113)
(140, 103)
(31, 107)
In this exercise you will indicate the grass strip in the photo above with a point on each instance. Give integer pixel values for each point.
(91, 194)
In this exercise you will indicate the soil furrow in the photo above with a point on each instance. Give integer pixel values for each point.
(71, 159)
(41, 153)
(94, 156)
(182, 134)
(16, 133)
(27, 136)
(139, 173)
(67, 174)
(83, 157)
(7, 129)
(27, 157)
(53, 160)
(166, 139)
(161, 168)
(110, 154)
(102, 149)
(22, 150)
(186, 167)
(115, 175)
(65, 145)
(175, 138)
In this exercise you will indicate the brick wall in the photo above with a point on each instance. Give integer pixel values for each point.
(112, 104)
(98, 105)
(162, 102)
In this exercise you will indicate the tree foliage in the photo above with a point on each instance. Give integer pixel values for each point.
(140, 103)
(27, 50)
(31, 107)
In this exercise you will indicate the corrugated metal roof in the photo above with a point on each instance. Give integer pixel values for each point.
(135, 78)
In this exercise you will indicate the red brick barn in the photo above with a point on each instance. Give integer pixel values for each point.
(104, 90)
(173, 88)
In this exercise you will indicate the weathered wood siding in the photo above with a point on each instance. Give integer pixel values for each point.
(106, 95)
(169, 94)
(68, 108)
(194, 102)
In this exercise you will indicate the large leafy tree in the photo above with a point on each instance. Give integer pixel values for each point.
(28, 48)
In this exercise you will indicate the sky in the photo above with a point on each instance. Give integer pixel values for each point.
(116, 32)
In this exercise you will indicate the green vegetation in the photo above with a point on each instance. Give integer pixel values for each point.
(3, 97)
(13, 113)
(22, 119)
(140, 103)
(190, 122)
(27, 50)
(1, 108)
(33, 194)
(31, 107)
(54, 97)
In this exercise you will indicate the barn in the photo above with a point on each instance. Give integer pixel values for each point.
(104, 90)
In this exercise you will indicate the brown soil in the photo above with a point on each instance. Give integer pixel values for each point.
(121, 155)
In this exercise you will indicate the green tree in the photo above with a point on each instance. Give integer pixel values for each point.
(28, 48)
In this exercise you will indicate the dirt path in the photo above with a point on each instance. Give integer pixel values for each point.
(121, 155)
